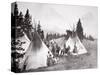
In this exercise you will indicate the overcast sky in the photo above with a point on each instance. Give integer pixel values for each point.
(58, 18)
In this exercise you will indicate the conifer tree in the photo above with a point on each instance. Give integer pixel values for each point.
(27, 21)
(79, 30)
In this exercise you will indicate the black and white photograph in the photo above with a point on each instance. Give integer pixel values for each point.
(53, 37)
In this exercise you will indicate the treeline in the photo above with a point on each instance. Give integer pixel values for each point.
(89, 37)
(20, 23)
(23, 23)
(50, 36)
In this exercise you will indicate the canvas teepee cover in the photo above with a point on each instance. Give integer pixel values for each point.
(36, 54)
(25, 45)
(74, 41)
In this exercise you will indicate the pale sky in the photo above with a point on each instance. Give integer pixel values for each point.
(58, 17)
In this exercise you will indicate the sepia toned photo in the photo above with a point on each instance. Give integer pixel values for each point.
(53, 37)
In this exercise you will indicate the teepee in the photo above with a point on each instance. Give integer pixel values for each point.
(60, 41)
(36, 54)
(76, 46)
(26, 41)
(74, 42)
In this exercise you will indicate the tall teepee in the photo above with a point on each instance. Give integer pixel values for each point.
(36, 54)
(76, 46)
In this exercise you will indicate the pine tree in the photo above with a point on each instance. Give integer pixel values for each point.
(14, 20)
(17, 22)
(39, 28)
(21, 19)
(16, 10)
(40, 31)
(79, 30)
(27, 22)
(19, 27)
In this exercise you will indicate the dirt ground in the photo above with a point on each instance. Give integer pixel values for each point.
(70, 62)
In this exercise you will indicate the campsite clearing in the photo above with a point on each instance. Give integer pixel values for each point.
(84, 61)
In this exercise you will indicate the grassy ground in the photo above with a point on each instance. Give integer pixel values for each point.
(84, 61)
